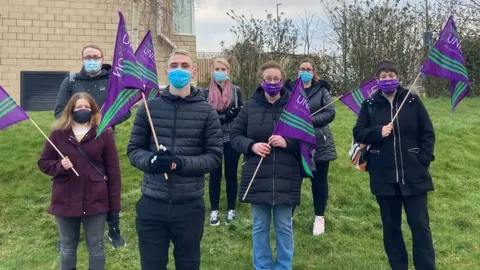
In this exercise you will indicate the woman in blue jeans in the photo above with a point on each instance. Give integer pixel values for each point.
(276, 187)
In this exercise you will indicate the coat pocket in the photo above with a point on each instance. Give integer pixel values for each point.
(320, 136)
(60, 190)
(60, 178)
(98, 189)
(377, 167)
(415, 150)
(414, 170)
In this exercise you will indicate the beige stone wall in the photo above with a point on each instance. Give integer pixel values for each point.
(48, 35)
(162, 51)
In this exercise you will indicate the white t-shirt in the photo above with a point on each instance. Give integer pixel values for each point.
(80, 132)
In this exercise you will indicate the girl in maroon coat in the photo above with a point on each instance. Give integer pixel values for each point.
(87, 198)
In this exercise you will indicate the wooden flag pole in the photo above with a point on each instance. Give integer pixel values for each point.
(253, 177)
(327, 105)
(405, 99)
(51, 143)
(152, 127)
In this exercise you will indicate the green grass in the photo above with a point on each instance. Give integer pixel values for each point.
(28, 235)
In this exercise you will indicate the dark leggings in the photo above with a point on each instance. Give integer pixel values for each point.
(320, 188)
(230, 163)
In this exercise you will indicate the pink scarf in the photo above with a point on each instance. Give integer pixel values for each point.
(220, 100)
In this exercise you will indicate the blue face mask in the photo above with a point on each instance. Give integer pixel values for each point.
(220, 76)
(179, 78)
(91, 66)
(305, 76)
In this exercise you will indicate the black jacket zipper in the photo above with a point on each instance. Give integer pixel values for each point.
(274, 156)
(400, 144)
(174, 133)
(394, 140)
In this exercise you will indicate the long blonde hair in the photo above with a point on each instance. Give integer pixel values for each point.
(66, 119)
(220, 101)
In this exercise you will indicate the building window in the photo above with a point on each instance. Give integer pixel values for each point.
(39, 89)
(184, 17)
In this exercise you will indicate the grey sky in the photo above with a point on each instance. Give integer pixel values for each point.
(213, 25)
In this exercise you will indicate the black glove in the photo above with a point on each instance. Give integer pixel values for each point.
(163, 163)
(113, 217)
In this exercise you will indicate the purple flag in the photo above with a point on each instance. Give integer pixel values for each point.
(355, 98)
(10, 112)
(148, 68)
(446, 60)
(296, 123)
(124, 82)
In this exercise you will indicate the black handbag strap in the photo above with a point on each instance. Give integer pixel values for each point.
(84, 154)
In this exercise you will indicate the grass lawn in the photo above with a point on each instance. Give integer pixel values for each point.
(28, 235)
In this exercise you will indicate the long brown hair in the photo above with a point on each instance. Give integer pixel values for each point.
(311, 62)
(66, 119)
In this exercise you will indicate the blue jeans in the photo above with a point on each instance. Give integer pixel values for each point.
(262, 250)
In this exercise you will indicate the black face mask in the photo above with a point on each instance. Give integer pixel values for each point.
(82, 116)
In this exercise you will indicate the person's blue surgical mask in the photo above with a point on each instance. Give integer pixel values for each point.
(220, 76)
(179, 78)
(91, 66)
(305, 76)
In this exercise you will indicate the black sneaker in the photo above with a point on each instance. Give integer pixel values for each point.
(115, 238)
(231, 215)
(214, 219)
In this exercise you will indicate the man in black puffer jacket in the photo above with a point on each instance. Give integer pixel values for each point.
(173, 209)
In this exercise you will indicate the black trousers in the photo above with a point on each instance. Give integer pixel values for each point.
(113, 218)
(418, 220)
(230, 165)
(319, 188)
(159, 222)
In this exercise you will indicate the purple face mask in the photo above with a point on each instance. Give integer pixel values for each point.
(388, 86)
(272, 89)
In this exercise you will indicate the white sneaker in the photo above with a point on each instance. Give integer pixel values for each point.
(319, 226)
(214, 219)
(231, 215)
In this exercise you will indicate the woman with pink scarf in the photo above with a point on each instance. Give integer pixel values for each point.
(226, 99)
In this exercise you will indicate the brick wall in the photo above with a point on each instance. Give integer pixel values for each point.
(162, 51)
(48, 35)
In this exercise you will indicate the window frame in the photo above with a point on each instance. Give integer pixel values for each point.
(192, 22)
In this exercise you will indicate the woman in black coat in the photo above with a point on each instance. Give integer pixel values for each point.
(276, 187)
(399, 157)
(318, 95)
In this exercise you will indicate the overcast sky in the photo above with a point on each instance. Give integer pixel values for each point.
(213, 25)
